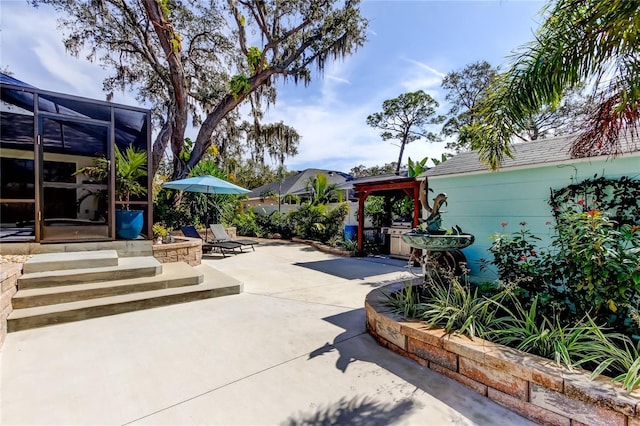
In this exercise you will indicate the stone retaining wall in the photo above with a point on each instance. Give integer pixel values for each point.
(534, 387)
(9, 274)
(183, 249)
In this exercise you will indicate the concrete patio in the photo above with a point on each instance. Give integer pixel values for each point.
(291, 349)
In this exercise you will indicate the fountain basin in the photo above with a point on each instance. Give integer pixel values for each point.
(436, 242)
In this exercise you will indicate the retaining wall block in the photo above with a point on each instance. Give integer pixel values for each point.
(508, 360)
(420, 331)
(371, 316)
(493, 378)
(432, 353)
(470, 383)
(389, 329)
(546, 373)
(601, 392)
(423, 362)
(574, 409)
(525, 409)
(9, 274)
(466, 347)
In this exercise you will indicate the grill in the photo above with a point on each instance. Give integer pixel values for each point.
(397, 247)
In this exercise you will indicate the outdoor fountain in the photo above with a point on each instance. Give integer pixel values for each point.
(430, 237)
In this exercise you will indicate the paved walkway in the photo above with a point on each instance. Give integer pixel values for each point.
(290, 350)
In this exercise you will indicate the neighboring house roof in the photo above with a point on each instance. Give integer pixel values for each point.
(297, 183)
(525, 155)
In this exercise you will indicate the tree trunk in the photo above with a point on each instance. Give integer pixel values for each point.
(203, 140)
(169, 40)
(160, 146)
(402, 145)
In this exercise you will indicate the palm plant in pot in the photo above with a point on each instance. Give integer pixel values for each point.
(131, 165)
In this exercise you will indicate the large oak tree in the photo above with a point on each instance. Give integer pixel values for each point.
(201, 59)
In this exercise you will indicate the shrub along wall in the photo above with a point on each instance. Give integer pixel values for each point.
(534, 387)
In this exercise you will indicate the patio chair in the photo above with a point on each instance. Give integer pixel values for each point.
(219, 235)
(221, 246)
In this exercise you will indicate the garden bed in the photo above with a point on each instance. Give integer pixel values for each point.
(534, 387)
(324, 247)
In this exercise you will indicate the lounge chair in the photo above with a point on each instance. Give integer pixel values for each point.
(220, 235)
(221, 246)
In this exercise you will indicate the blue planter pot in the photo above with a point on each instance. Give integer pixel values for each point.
(351, 232)
(129, 223)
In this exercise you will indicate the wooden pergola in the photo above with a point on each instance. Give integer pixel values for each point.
(386, 187)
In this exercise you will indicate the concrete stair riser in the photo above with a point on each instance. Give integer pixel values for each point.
(127, 269)
(73, 260)
(100, 310)
(60, 295)
(53, 295)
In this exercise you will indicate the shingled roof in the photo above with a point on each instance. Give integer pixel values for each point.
(297, 183)
(527, 154)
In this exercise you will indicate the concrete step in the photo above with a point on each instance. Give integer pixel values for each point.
(215, 284)
(128, 267)
(177, 274)
(70, 260)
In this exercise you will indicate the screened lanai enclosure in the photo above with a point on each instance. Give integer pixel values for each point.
(46, 138)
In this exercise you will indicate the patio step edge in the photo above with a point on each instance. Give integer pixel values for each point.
(46, 262)
(128, 267)
(216, 284)
(176, 274)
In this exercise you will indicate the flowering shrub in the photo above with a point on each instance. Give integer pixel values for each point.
(577, 301)
(513, 255)
(592, 267)
(619, 198)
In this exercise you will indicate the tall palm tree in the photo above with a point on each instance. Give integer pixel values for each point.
(592, 42)
(321, 191)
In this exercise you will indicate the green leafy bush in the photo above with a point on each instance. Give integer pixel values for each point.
(318, 222)
(350, 245)
(273, 223)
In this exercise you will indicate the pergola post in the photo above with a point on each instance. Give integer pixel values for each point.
(417, 208)
(362, 196)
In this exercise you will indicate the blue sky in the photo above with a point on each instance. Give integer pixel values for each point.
(411, 45)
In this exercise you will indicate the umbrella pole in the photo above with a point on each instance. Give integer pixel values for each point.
(206, 227)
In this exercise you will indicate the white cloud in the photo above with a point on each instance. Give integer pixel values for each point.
(35, 54)
(415, 78)
(425, 83)
(338, 79)
(333, 125)
(426, 67)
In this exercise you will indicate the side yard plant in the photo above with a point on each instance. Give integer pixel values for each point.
(576, 302)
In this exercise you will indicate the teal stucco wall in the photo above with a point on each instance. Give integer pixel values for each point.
(480, 202)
